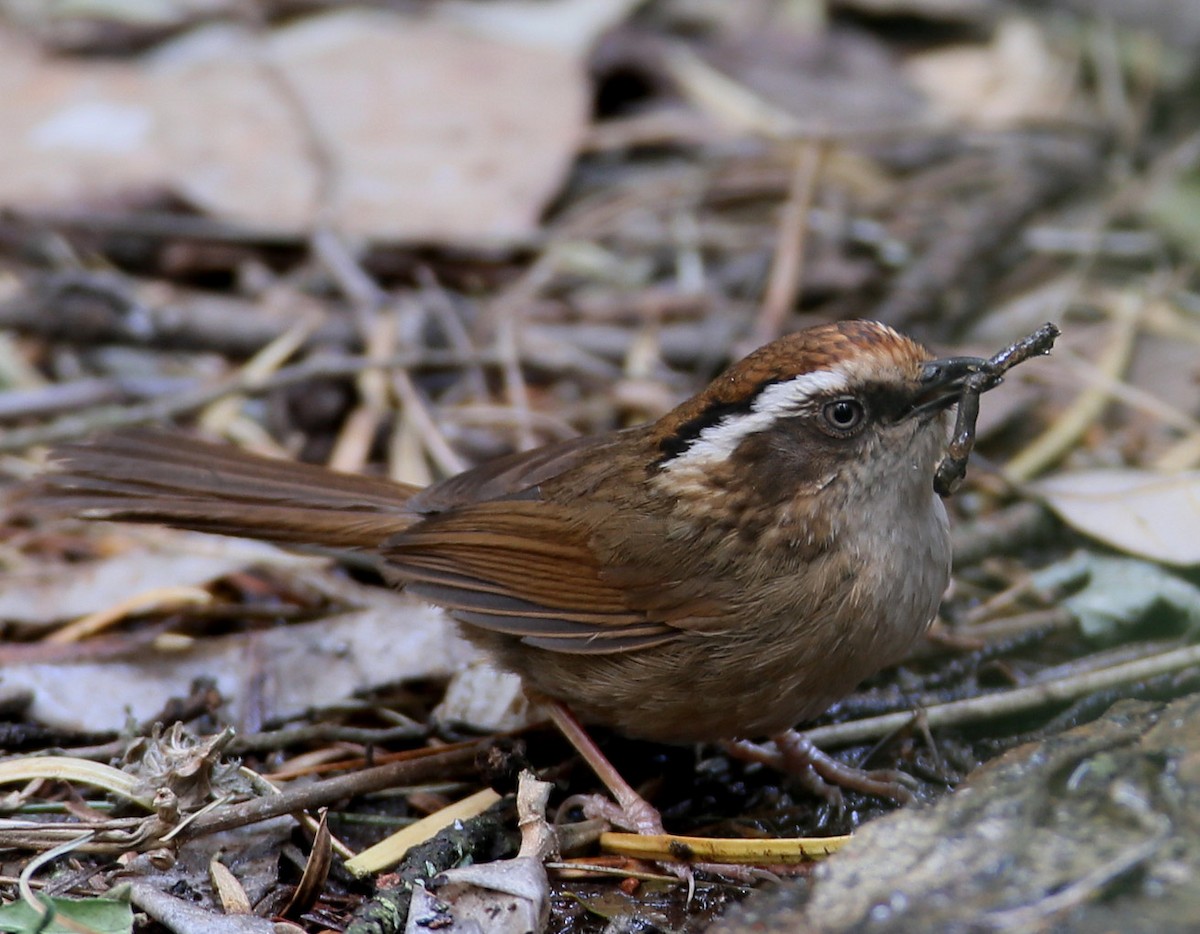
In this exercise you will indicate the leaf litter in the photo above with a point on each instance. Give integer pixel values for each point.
(573, 247)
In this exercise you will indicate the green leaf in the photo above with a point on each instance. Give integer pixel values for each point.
(1117, 593)
(102, 915)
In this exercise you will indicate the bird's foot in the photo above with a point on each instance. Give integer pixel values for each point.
(636, 816)
(822, 774)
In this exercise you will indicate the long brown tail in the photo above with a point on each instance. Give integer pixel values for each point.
(146, 476)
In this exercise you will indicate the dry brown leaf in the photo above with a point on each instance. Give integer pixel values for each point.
(316, 871)
(1153, 515)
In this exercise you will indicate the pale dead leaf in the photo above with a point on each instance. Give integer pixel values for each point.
(1014, 79)
(564, 25)
(228, 889)
(296, 667)
(486, 699)
(42, 597)
(508, 896)
(428, 130)
(452, 136)
(1153, 515)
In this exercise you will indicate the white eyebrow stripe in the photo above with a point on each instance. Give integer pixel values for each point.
(778, 400)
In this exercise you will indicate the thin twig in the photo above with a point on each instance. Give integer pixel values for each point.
(378, 332)
(1006, 703)
(109, 418)
(268, 360)
(787, 267)
(437, 302)
(425, 425)
(507, 315)
(1069, 427)
(1011, 627)
(56, 398)
(432, 764)
(277, 740)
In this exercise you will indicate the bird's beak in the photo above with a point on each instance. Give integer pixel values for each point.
(941, 383)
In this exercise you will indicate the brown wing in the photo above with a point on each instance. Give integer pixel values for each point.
(524, 569)
(514, 476)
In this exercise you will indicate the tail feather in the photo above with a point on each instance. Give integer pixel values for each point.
(147, 476)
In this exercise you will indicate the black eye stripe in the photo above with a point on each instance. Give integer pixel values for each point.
(681, 440)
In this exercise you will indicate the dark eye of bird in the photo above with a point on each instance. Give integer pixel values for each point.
(843, 415)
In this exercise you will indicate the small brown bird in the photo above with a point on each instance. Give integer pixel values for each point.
(725, 572)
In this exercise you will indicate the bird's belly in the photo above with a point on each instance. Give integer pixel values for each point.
(695, 689)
